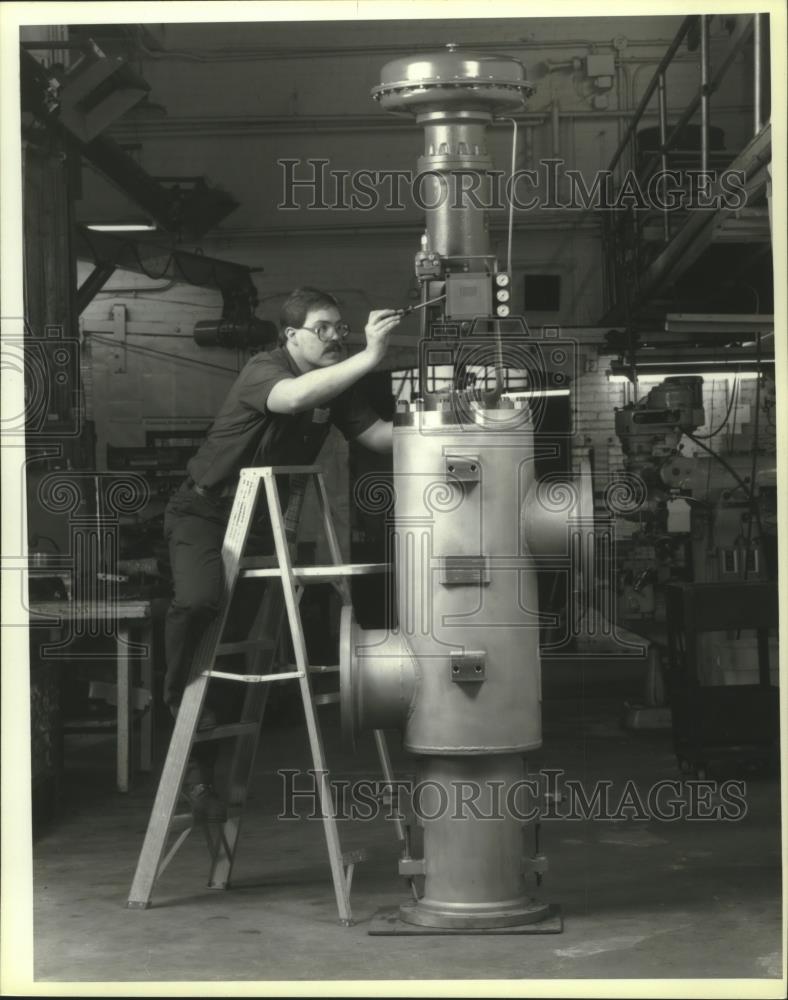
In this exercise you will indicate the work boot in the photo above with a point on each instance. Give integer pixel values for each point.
(208, 718)
(205, 804)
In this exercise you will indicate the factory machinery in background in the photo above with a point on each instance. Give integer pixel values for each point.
(460, 677)
(704, 518)
(701, 519)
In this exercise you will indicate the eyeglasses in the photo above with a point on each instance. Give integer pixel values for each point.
(323, 331)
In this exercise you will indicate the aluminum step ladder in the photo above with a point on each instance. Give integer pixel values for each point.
(260, 649)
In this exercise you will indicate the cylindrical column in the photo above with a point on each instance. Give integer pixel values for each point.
(454, 94)
(466, 586)
(472, 811)
(455, 184)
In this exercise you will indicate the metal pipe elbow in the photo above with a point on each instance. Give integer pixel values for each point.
(378, 676)
(554, 508)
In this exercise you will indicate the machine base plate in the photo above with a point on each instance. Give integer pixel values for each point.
(387, 923)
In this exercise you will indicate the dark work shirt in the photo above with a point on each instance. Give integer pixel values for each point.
(246, 433)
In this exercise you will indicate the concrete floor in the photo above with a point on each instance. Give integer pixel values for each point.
(640, 898)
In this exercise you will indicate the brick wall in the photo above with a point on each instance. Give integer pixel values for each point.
(594, 399)
(738, 435)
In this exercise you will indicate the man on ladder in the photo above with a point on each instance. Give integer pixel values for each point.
(278, 412)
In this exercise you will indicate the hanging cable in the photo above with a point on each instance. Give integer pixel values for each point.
(755, 428)
(734, 395)
(165, 354)
(138, 289)
(755, 507)
(145, 271)
(732, 433)
(729, 468)
(511, 197)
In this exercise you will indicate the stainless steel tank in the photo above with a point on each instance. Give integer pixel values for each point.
(461, 676)
(468, 609)
(465, 585)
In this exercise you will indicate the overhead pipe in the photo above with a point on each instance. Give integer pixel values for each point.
(754, 158)
(695, 103)
(649, 92)
(663, 130)
(757, 72)
(704, 92)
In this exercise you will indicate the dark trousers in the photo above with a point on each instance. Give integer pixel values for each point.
(194, 528)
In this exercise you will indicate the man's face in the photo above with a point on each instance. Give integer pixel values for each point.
(306, 345)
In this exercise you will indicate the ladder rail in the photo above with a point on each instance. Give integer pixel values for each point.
(254, 678)
(342, 585)
(279, 603)
(316, 574)
(313, 728)
(333, 542)
(268, 621)
(191, 705)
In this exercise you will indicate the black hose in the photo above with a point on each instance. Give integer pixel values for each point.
(726, 418)
(729, 468)
(755, 512)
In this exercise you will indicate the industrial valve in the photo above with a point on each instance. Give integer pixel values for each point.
(460, 676)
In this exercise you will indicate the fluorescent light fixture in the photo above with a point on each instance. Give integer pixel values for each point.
(661, 378)
(536, 393)
(122, 227)
(719, 322)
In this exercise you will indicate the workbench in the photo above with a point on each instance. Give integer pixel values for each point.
(717, 722)
(131, 622)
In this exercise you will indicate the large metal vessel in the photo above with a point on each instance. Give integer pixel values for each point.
(461, 675)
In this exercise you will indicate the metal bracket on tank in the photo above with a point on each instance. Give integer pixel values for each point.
(456, 571)
(409, 867)
(464, 469)
(469, 667)
(536, 864)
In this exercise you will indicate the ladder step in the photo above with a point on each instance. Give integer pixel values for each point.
(319, 574)
(253, 678)
(258, 562)
(316, 668)
(226, 731)
(340, 570)
(243, 646)
(326, 699)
